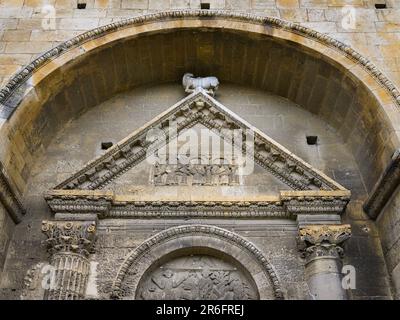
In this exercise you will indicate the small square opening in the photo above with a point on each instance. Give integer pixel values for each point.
(380, 5)
(312, 140)
(106, 145)
(81, 5)
(205, 6)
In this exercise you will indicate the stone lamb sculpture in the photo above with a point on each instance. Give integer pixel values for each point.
(190, 83)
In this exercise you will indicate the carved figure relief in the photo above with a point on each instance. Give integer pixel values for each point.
(195, 174)
(196, 277)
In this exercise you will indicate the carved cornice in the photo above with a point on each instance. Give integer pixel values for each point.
(9, 198)
(70, 236)
(106, 205)
(323, 240)
(194, 230)
(290, 169)
(7, 105)
(384, 188)
(315, 202)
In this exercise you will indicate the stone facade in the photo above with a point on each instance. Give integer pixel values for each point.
(282, 232)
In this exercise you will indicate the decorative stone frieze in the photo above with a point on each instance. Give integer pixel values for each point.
(323, 240)
(315, 202)
(105, 204)
(9, 198)
(195, 174)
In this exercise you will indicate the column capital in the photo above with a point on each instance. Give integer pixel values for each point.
(323, 240)
(70, 236)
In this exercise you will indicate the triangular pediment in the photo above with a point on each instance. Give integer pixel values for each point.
(199, 108)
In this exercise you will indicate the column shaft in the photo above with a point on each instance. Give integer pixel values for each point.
(70, 243)
(321, 246)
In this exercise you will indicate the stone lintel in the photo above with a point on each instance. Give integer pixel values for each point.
(314, 207)
(9, 198)
(384, 188)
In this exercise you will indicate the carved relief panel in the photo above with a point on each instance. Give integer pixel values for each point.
(196, 277)
(195, 174)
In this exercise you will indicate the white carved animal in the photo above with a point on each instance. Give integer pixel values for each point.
(190, 83)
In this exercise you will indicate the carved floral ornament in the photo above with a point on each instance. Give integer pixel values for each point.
(323, 240)
(69, 236)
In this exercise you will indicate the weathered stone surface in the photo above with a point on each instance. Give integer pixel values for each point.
(353, 150)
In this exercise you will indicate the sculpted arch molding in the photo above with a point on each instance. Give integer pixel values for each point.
(112, 32)
(192, 236)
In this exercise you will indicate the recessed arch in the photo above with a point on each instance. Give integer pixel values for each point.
(198, 237)
(293, 61)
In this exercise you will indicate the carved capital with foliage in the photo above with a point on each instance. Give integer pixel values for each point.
(70, 236)
(323, 240)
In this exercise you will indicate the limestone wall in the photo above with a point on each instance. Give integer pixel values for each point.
(389, 226)
(6, 231)
(22, 37)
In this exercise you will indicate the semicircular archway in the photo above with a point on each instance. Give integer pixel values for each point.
(317, 72)
(197, 239)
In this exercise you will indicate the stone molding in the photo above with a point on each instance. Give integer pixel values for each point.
(199, 107)
(8, 104)
(297, 203)
(384, 188)
(9, 198)
(194, 230)
(323, 240)
(105, 204)
(70, 237)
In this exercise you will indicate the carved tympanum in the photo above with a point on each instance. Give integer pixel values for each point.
(196, 277)
(323, 240)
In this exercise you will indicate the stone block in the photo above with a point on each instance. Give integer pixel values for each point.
(287, 4)
(237, 4)
(78, 23)
(16, 35)
(27, 47)
(159, 4)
